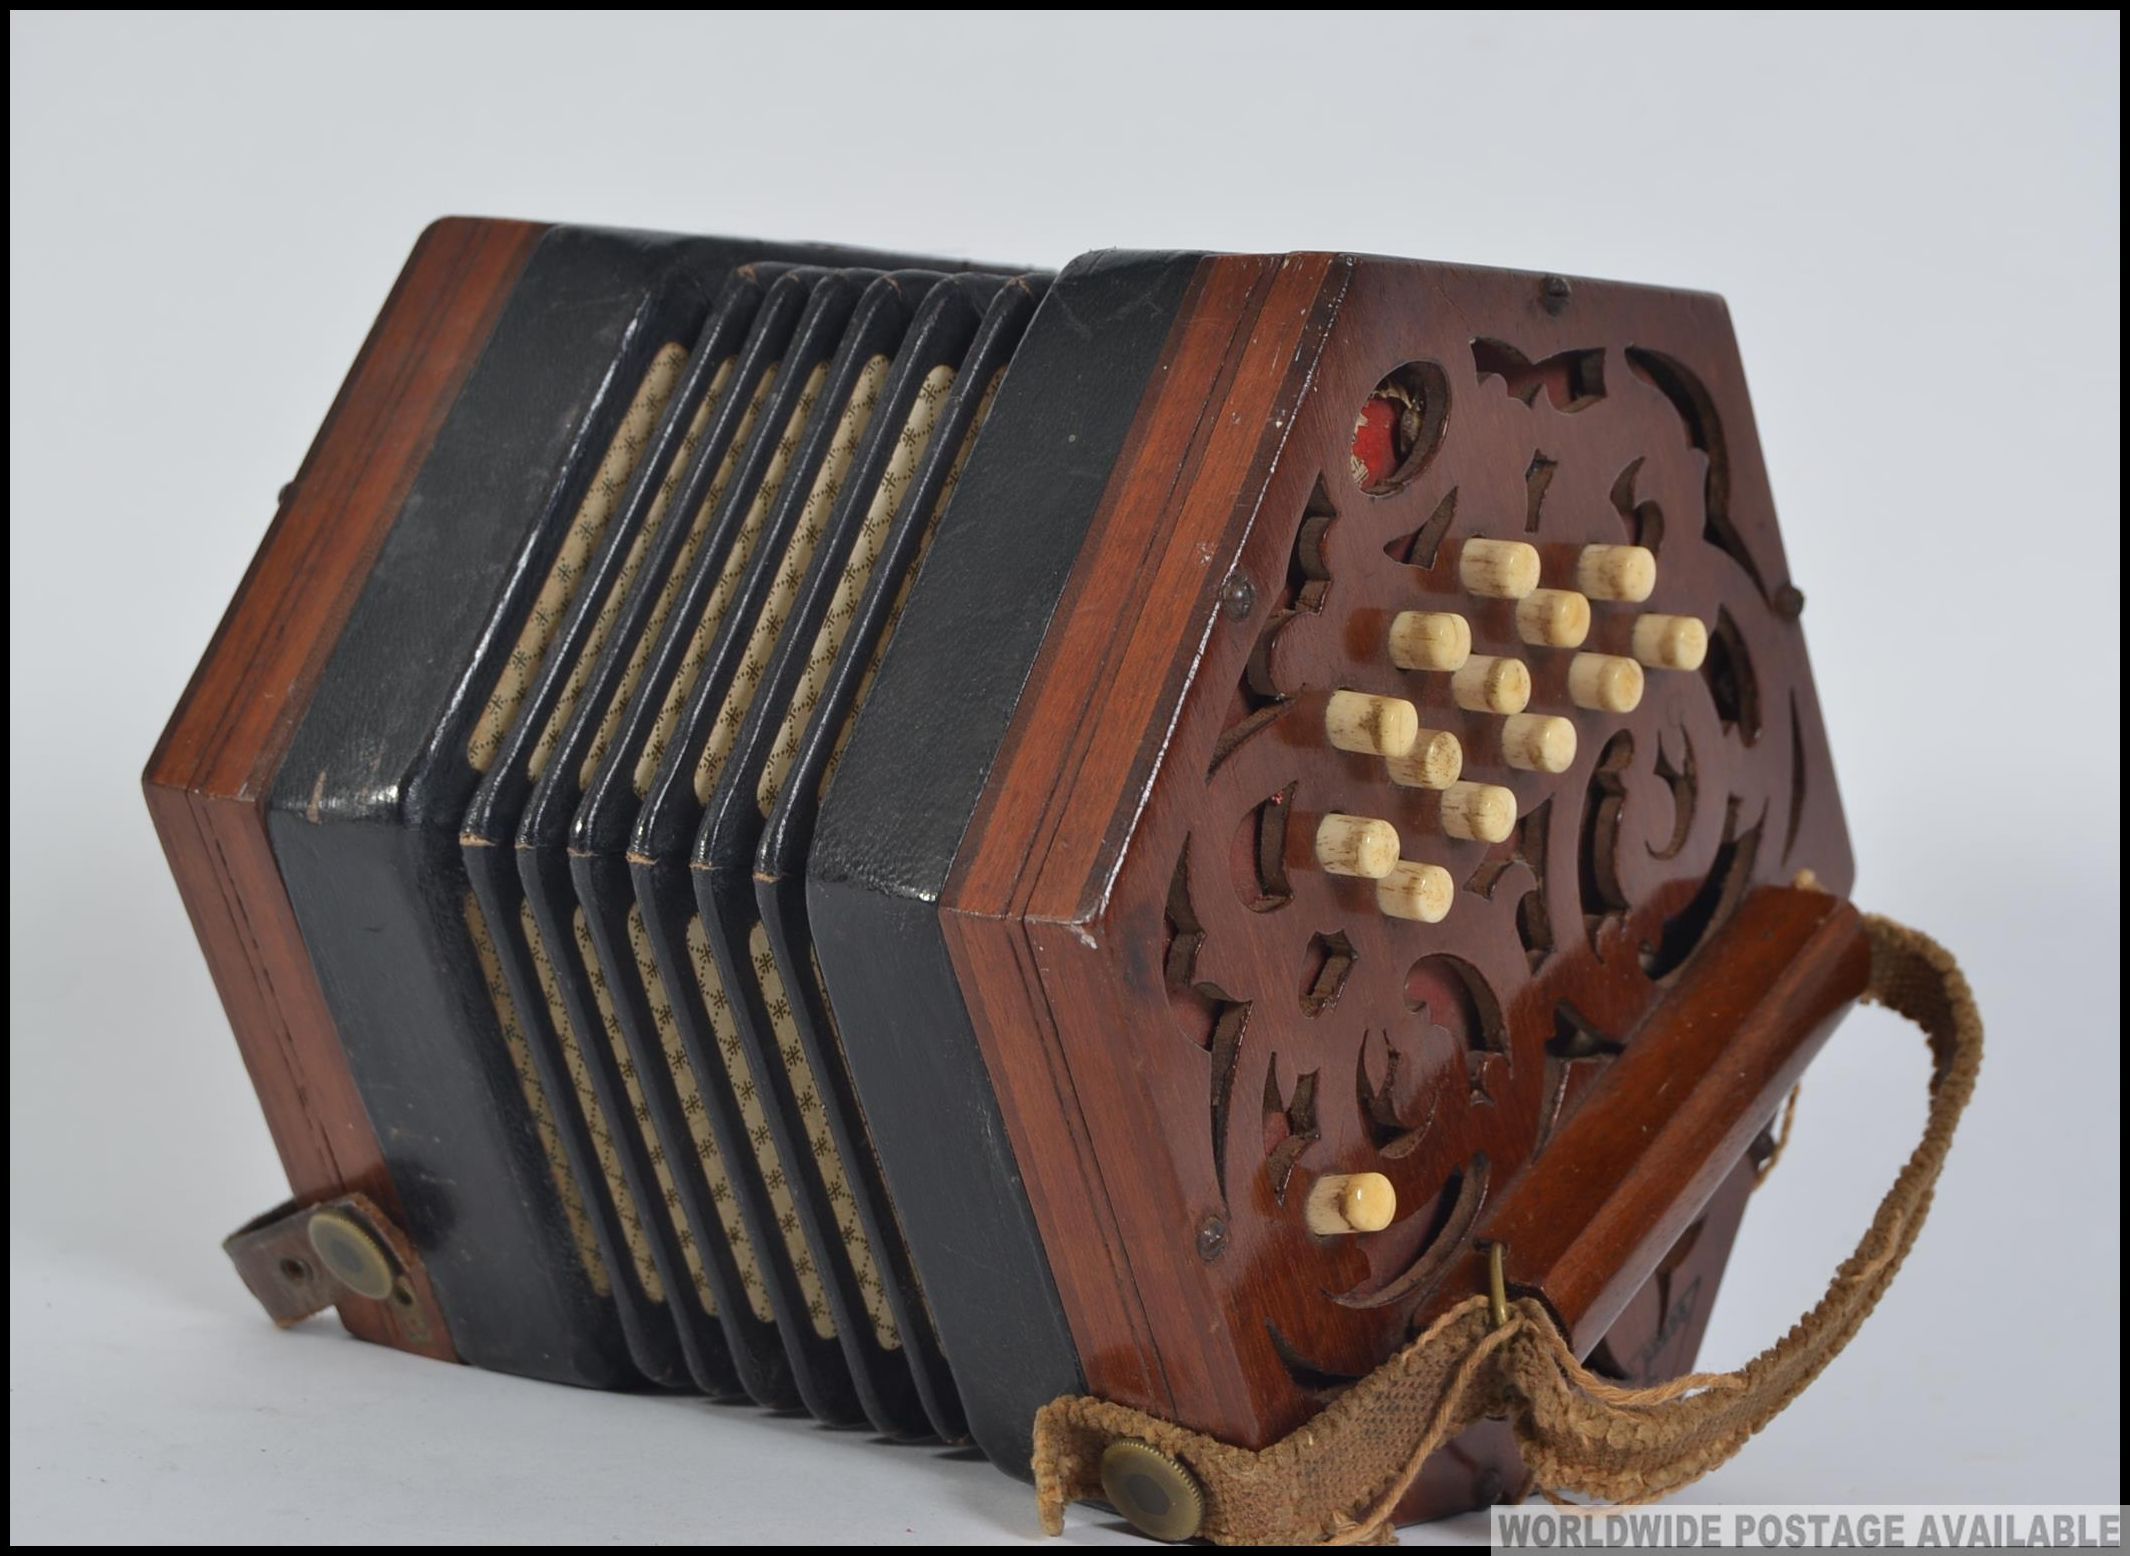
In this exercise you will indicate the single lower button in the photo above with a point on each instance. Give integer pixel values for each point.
(1153, 1490)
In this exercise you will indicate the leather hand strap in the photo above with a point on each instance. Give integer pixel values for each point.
(1339, 1479)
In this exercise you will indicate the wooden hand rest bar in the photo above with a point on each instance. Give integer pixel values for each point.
(1590, 1221)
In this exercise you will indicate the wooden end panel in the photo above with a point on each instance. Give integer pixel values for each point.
(234, 721)
(208, 781)
(1160, 547)
(1189, 1015)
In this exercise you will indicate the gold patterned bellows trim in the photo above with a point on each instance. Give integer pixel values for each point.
(691, 1255)
(707, 1153)
(662, 608)
(728, 580)
(610, 482)
(832, 1036)
(617, 591)
(739, 1074)
(633, 1231)
(909, 577)
(880, 515)
(784, 1028)
(567, 1189)
(799, 550)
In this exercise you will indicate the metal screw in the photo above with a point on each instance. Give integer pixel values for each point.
(1238, 597)
(1212, 1238)
(1553, 294)
(1789, 602)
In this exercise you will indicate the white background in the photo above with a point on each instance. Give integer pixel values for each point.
(1916, 222)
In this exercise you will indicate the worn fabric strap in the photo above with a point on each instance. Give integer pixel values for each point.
(1339, 1479)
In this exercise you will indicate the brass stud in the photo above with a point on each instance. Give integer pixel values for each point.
(1155, 1493)
(1497, 1286)
(351, 1254)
